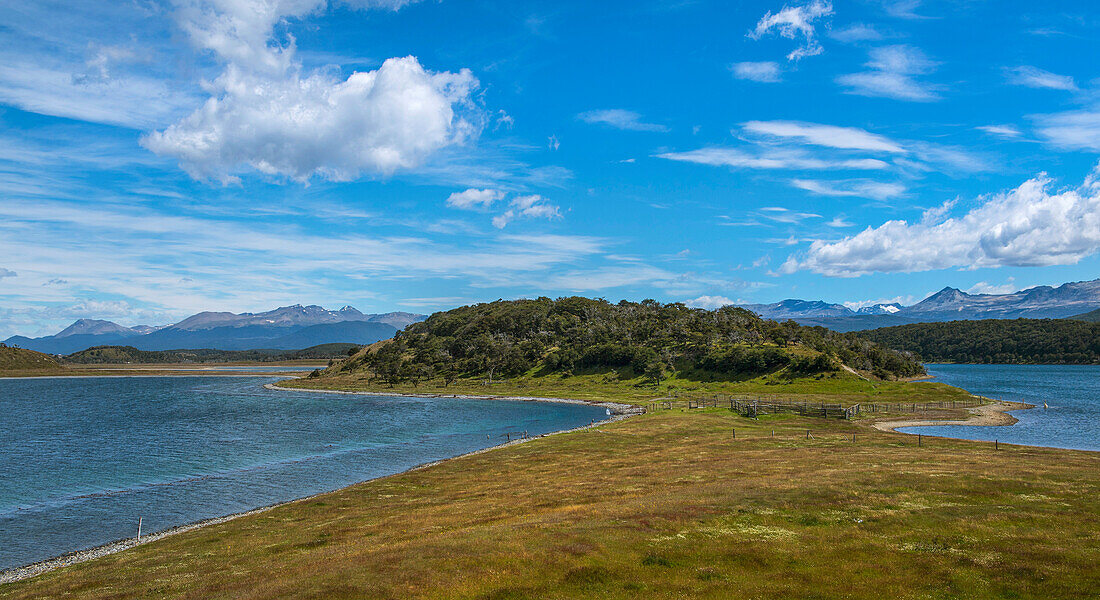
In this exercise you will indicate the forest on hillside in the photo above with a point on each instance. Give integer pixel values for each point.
(576, 334)
(129, 355)
(996, 341)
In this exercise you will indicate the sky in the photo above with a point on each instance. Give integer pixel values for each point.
(161, 158)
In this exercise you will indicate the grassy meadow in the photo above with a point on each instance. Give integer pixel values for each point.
(672, 504)
(609, 386)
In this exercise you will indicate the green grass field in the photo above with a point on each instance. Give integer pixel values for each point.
(665, 505)
(839, 387)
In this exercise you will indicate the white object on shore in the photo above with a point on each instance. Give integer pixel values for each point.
(139, 530)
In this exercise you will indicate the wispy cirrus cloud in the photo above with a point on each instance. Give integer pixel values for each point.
(785, 159)
(859, 188)
(1034, 77)
(1071, 130)
(893, 74)
(619, 119)
(845, 138)
(1007, 132)
(762, 72)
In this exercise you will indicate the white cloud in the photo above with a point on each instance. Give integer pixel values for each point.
(794, 22)
(266, 113)
(1029, 226)
(892, 75)
(785, 215)
(7, 273)
(860, 188)
(709, 302)
(1074, 130)
(858, 32)
(1038, 78)
(770, 159)
(846, 138)
(1002, 131)
(527, 207)
(984, 287)
(903, 9)
(763, 72)
(620, 119)
(474, 198)
(839, 222)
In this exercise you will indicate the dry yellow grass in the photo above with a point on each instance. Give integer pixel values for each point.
(667, 505)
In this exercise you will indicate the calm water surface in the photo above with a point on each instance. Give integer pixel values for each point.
(81, 459)
(1072, 393)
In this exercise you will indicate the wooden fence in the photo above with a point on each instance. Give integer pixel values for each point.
(753, 406)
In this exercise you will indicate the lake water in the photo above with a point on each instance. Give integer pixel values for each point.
(1072, 393)
(81, 459)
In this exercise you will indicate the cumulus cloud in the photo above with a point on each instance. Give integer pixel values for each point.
(795, 22)
(620, 119)
(709, 302)
(860, 188)
(1029, 226)
(527, 207)
(763, 72)
(846, 138)
(770, 159)
(892, 74)
(267, 113)
(474, 198)
(1038, 78)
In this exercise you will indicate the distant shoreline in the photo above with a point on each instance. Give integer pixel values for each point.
(71, 558)
(616, 408)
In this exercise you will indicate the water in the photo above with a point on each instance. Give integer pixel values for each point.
(81, 459)
(1072, 393)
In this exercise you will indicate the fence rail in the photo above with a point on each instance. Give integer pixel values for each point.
(753, 406)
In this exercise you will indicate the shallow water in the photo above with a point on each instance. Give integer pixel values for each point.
(82, 459)
(1072, 393)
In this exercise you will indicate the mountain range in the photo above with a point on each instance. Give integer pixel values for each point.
(285, 328)
(948, 304)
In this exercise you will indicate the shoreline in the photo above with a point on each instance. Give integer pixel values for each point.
(988, 415)
(616, 408)
(36, 568)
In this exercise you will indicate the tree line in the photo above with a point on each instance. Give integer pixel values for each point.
(996, 341)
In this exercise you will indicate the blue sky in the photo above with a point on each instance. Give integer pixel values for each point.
(162, 158)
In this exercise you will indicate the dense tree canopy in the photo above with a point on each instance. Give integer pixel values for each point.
(1046, 341)
(129, 354)
(508, 338)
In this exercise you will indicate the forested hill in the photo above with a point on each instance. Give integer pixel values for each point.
(574, 335)
(1093, 316)
(1018, 341)
(129, 354)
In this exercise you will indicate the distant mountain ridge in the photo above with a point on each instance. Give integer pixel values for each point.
(284, 328)
(948, 304)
